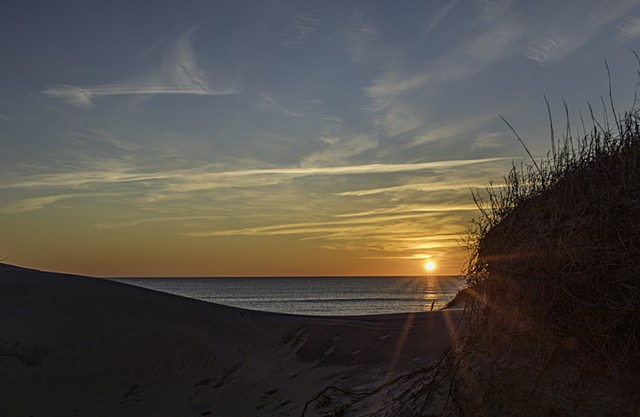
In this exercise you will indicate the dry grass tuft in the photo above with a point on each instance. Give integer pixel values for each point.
(553, 298)
(555, 266)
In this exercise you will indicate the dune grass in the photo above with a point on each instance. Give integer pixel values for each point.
(552, 302)
(554, 261)
(559, 244)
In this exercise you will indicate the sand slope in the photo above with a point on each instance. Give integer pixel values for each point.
(78, 346)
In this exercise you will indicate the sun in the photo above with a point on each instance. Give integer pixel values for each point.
(430, 266)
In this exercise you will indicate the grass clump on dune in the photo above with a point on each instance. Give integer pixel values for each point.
(552, 303)
(555, 268)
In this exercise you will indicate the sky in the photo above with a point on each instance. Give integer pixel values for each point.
(270, 138)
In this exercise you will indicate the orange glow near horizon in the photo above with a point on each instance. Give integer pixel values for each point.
(78, 242)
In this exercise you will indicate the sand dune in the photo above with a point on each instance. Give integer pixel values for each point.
(79, 346)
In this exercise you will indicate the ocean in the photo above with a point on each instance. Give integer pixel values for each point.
(320, 296)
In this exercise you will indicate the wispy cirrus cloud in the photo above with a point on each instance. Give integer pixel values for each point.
(179, 74)
(494, 9)
(303, 27)
(562, 31)
(32, 204)
(205, 177)
(413, 208)
(400, 111)
(502, 30)
(466, 125)
(358, 33)
(421, 187)
(338, 150)
(407, 239)
(489, 140)
(124, 223)
(275, 104)
(492, 44)
(402, 231)
(441, 13)
(630, 28)
(305, 228)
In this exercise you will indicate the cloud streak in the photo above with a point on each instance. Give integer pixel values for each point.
(303, 27)
(630, 28)
(400, 111)
(135, 222)
(202, 178)
(358, 33)
(555, 40)
(32, 204)
(180, 74)
(474, 55)
(422, 187)
(274, 104)
(306, 228)
(339, 150)
(404, 231)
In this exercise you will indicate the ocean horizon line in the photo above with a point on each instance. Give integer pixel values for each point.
(277, 276)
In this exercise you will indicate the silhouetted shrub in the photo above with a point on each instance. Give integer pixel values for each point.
(554, 269)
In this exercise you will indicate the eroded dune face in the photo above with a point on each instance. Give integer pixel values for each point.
(88, 347)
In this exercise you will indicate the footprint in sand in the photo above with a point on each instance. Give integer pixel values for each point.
(330, 350)
(203, 382)
(132, 394)
(283, 403)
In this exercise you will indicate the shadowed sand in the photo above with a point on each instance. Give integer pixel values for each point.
(78, 346)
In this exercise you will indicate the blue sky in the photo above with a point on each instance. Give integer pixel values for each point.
(281, 137)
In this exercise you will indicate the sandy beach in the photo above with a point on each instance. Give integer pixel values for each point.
(80, 346)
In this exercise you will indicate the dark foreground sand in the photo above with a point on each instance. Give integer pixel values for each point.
(78, 346)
